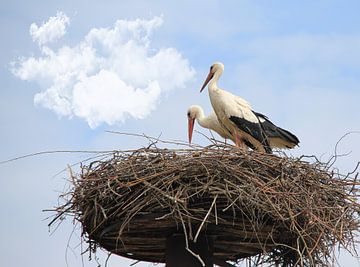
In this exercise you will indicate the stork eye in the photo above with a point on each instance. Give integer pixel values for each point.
(188, 114)
(211, 67)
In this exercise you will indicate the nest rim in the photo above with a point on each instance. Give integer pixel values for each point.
(272, 246)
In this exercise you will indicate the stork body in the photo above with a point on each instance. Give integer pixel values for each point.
(236, 115)
(278, 137)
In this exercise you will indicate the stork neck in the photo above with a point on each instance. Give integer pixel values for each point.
(200, 116)
(214, 80)
(203, 121)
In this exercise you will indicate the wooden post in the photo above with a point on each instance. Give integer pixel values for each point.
(178, 256)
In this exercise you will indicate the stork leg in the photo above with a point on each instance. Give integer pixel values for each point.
(239, 142)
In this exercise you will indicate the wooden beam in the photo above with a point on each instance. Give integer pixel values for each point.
(177, 255)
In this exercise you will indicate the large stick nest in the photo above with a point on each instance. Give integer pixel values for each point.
(270, 208)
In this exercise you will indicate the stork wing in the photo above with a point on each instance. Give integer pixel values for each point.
(273, 131)
(253, 129)
(218, 127)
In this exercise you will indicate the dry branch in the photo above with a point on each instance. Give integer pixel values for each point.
(278, 210)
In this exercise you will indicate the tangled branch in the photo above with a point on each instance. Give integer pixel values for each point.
(270, 209)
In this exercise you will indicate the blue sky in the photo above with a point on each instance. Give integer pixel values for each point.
(297, 62)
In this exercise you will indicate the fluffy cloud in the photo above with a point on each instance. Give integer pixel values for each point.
(51, 30)
(112, 74)
(106, 106)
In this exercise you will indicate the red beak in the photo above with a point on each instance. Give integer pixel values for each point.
(190, 128)
(208, 78)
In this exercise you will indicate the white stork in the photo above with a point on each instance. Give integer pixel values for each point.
(278, 138)
(235, 115)
(210, 122)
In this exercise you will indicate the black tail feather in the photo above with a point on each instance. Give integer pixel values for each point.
(273, 131)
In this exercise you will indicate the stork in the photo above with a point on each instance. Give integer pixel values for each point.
(236, 115)
(210, 122)
(278, 137)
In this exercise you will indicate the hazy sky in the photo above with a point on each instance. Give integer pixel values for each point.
(70, 70)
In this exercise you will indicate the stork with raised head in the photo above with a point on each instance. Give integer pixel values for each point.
(278, 137)
(236, 116)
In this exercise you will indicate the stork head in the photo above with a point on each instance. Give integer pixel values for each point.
(216, 69)
(192, 114)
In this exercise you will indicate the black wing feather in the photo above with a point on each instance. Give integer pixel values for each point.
(253, 129)
(272, 130)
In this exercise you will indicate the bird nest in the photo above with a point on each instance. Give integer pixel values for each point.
(257, 206)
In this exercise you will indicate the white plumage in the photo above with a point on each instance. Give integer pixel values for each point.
(209, 122)
(236, 116)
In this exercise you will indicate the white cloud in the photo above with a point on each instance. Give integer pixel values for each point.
(51, 30)
(116, 100)
(112, 74)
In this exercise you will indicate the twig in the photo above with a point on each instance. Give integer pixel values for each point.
(205, 218)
